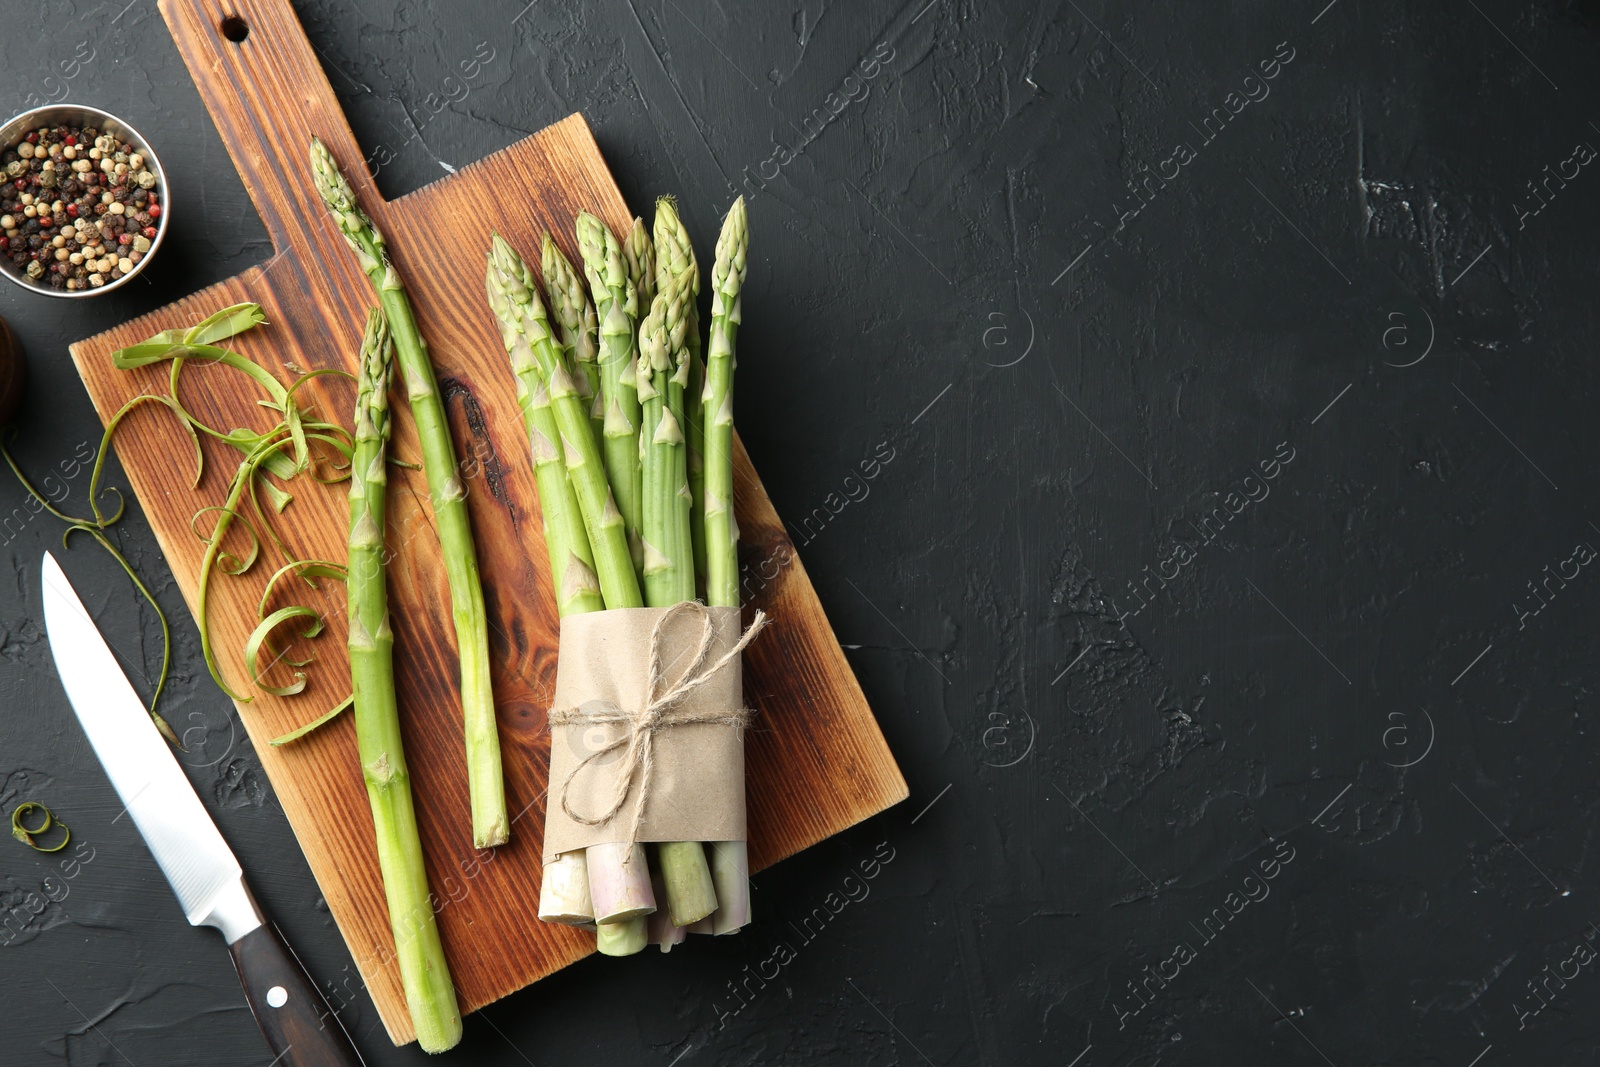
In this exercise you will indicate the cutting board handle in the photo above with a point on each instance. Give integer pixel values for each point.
(260, 78)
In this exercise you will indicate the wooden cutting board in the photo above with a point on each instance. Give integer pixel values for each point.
(817, 762)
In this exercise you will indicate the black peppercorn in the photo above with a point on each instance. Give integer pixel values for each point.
(105, 212)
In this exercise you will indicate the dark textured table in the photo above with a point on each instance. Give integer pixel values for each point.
(1184, 414)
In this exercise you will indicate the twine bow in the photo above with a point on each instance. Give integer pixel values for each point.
(660, 712)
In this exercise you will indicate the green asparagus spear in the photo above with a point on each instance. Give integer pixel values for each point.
(424, 973)
(485, 779)
(511, 295)
(722, 532)
(680, 499)
(661, 442)
(669, 561)
(728, 858)
(608, 281)
(675, 257)
(578, 329)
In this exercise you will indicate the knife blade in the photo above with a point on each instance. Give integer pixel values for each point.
(203, 871)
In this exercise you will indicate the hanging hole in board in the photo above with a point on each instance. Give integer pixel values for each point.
(234, 28)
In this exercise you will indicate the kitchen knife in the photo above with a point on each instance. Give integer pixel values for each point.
(297, 1022)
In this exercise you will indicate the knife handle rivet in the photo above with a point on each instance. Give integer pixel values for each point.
(277, 996)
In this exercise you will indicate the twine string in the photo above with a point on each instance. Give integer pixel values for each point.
(662, 710)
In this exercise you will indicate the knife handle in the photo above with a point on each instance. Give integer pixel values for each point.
(295, 1019)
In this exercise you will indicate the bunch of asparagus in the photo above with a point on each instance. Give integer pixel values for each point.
(632, 446)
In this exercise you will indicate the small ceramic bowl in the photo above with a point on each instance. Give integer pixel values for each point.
(12, 134)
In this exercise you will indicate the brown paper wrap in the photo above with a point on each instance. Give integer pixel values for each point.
(695, 788)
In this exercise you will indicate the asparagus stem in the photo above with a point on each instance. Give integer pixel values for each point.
(660, 929)
(680, 499)
(578, 329)
(511, 296)
(722, 532)
(675, 258)
(730, 871)
(729, 865)
(669, 562)
(608, 281)
(613, 564)
(564, 890)
(424, 972)
(656, 461)
(619, 882)
(691, 890)
(667, 552)
(622, 938)
(485, 780)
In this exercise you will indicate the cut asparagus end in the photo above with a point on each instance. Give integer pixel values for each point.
(564, 891)
(489, 829)
(622, 938)
(660, 927)
(691, 895)
(619, 882)
(730, 872)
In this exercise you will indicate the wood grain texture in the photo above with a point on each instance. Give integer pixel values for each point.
(816, 760)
